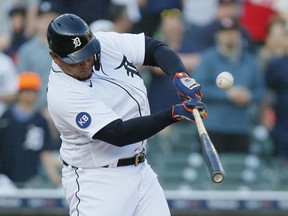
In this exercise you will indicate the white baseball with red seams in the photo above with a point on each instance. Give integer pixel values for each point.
(225, 80)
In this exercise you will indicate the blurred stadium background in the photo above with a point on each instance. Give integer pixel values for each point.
(255, 183)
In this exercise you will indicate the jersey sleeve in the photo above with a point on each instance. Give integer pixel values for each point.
(130, 45)
(82, 113)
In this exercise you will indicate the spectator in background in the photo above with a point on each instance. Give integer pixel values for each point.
(5, 29)
(89, 10)
(33, 55)
(31, 16)
(117, 20)
(254, 18)
(198, 12)
(8, 77)
(133, 8)
(161, 91)
(17, 20)
(274, 47)
(277, 82)
(281, 9)
(118, 15)
(202, 36)
(25, 141)
(230, 112)
(150, 14)
(273, 44)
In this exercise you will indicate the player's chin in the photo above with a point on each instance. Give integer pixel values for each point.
(84, 76)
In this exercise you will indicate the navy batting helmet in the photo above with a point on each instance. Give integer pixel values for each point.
(70, 38)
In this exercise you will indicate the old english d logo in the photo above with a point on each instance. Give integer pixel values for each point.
(76, 42)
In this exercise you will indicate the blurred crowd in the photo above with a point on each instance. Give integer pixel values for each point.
(248, 38)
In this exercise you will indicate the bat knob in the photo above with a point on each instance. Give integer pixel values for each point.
(218, 177)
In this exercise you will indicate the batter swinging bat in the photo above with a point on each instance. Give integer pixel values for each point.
(209, 152)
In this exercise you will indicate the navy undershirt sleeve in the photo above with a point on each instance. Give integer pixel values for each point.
(159, 54)
(122, 133)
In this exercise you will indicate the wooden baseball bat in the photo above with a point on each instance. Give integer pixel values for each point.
(208, 150)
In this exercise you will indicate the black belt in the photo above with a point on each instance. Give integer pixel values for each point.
(137, 159)
(66, 164)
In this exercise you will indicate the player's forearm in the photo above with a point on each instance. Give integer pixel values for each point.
(160, 55)
(122, 133)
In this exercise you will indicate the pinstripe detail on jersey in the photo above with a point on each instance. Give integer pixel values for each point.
(139, 108)
(78, 190)
(56, 71)
(102, 70)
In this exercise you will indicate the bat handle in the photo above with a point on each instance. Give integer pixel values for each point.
(199, 123)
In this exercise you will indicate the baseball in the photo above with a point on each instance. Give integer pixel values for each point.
(224, 80)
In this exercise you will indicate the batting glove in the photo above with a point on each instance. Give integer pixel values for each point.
(185, 110)
(187, 88)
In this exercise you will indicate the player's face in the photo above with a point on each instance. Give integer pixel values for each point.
(80, 71)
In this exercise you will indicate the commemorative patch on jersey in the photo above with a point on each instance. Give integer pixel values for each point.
(83, 120)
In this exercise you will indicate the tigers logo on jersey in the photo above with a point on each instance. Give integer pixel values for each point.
(83, 120)
(76, 42)
(129, 67)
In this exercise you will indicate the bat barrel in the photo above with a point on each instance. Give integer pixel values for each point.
(218, 177)
(212, 159)
(209, 152)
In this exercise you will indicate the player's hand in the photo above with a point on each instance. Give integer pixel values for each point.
(185, 110)
(187, 88)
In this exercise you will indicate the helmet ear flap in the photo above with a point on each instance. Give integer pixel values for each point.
(97, 63)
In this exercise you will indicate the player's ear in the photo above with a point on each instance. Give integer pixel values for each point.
(54, 56)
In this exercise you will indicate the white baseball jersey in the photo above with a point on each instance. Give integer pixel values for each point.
(81, 108)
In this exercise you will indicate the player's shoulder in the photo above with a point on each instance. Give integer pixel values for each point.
(106, 35)
(112, 36)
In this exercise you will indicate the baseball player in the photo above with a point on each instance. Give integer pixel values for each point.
(98, 102)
